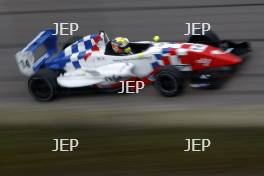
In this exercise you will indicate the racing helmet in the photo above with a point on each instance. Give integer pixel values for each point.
(121, 45)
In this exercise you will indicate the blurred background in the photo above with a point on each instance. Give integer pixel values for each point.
(133, 134)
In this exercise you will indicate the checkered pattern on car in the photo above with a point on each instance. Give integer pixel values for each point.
(82, 49)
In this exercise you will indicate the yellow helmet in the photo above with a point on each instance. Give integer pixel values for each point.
(121, 45)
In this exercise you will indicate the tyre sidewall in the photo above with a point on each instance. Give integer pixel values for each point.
(175, 76)
(49, 77)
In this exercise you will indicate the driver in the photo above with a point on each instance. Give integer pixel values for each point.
(121, 46)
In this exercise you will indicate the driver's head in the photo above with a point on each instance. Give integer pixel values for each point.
(120, 45)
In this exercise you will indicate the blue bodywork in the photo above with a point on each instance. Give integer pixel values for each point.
(49, 41)
(52, 59)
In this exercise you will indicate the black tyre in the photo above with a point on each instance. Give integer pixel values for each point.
(71, 41)
(43, 85)
(169, 81)
(209, 38)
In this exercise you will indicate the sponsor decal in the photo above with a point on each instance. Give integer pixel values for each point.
(204, 62)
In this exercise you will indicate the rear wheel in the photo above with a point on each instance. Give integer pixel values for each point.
(43, 85)
(169, 81)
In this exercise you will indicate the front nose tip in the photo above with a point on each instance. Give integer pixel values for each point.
(232, 59)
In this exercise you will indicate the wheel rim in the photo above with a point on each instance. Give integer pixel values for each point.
(168, 83)
(40, 88)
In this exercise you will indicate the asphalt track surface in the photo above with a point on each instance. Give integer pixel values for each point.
(239, 20)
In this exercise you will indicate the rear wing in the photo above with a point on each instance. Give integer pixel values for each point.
(25, 58)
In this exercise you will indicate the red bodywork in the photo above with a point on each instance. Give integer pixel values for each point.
(199, 56)
(210, 57)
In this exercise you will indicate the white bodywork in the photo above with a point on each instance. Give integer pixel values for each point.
(101, 75)
(25, 61)
(85, 62)
(104, 70)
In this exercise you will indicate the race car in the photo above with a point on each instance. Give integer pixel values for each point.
(203, 62)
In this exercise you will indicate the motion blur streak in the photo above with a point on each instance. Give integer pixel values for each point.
(133, 134)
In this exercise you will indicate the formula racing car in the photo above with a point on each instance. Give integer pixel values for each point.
(89, 62)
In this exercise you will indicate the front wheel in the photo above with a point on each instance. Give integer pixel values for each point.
(43, 85)
(208, 38)
(169, 81)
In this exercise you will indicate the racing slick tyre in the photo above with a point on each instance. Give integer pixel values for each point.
(169, 81)
(209, 38)
(43, 85)
(71, 41)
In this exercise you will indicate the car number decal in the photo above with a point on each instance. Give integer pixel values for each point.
(198, 47)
